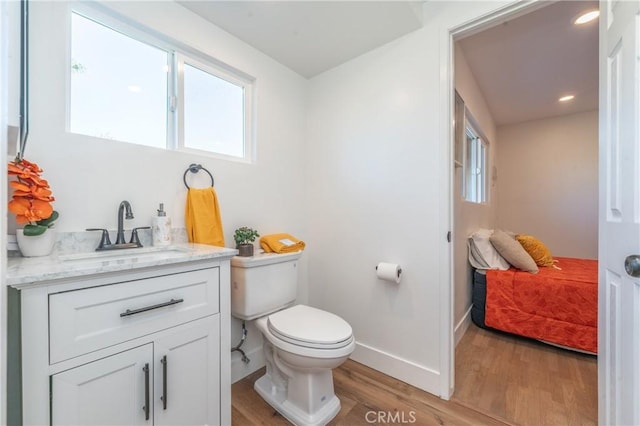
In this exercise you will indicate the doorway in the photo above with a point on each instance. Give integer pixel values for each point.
(514, 103)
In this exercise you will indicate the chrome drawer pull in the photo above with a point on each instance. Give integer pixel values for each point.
(149, 308)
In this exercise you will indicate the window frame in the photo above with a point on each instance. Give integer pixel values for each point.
(475, 189)
(177, 54)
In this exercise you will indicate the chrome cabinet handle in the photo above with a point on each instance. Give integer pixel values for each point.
(163, 398)
(146, 407)
(149, 308)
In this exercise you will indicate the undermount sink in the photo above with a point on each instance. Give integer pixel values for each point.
(138, 253)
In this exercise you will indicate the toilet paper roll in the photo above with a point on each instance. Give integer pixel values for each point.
(389, 272)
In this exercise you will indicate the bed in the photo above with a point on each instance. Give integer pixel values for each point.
(558, 305)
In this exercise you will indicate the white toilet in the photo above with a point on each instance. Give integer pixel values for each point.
(301, 344)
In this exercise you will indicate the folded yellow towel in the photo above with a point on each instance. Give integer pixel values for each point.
(281, 243)
(202, 217)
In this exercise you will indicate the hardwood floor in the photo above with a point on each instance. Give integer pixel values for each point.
(500, 379)
(524, 381)
(362, 390)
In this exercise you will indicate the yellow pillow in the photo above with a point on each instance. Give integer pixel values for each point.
(536, 249)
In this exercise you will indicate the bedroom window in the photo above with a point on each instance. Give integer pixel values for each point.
(475, 166)
(470, 155)
(130, 86)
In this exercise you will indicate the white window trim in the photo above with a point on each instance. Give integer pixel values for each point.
(178, 53)
(470, 122)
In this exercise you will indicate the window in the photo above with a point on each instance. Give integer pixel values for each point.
(118, 86)
(213, 113)
(128, 86)
(471, 153)
(475, 166)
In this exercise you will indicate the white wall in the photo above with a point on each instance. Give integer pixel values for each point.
(378, 191)
(12, 26)
(468, 217)
(548, 182)
(375, 162)
(89, 177)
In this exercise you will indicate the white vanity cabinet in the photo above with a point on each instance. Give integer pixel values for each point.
(146, 346)
(168, 382)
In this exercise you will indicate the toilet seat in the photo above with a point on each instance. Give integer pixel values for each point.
(305, 337)
(310, 328)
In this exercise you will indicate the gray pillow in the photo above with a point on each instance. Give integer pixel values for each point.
(513, 252)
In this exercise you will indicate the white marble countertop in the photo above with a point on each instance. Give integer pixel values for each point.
(25, 270)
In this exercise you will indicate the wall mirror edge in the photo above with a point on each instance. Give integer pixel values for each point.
(23, 128)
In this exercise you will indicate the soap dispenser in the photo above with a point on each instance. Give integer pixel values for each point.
(161, 228)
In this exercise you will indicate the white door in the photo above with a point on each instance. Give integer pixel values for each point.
(111, 391)
(187, 375)
(619, 293)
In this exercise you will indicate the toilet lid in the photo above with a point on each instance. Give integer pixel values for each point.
(306, 326)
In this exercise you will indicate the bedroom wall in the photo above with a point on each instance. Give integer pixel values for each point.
(90, 176)
(470, 216)
(548, 182)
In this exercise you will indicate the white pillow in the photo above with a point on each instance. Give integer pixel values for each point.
(482, 254)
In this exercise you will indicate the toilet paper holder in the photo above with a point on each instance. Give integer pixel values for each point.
(399, 271)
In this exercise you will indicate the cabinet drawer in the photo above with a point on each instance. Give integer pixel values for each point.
(86, 320)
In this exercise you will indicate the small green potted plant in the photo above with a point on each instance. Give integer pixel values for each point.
(244, 238)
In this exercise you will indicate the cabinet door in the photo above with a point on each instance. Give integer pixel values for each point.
(110, 391)
(187, 375)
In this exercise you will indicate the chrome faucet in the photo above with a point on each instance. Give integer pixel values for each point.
(121, 211)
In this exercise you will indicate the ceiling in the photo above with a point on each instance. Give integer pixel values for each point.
(523, 66)
(311, 37)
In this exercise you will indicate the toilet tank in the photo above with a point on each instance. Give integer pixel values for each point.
(263, 283)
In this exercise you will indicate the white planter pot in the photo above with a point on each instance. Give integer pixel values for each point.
(39, 245)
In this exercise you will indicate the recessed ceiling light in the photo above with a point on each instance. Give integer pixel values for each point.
(587, 17)
(134, 89)
(566, 98)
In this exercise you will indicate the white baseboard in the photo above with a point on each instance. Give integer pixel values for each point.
(462, 326)
(240, 370)
(408, 371)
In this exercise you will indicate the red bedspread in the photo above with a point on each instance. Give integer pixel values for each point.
(558, 306)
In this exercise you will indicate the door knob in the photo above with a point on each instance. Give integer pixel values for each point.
(632, 265)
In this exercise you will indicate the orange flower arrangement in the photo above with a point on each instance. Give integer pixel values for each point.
(31, 201)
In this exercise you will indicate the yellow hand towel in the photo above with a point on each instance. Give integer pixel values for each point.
(281, 243)
(202, 217)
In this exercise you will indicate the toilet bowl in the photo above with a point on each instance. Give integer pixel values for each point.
(301, 346)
